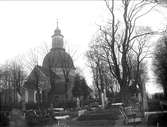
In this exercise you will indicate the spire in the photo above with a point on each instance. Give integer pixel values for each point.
(57, 31)
(57, 24)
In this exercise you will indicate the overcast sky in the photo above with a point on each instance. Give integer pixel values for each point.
(28, 24)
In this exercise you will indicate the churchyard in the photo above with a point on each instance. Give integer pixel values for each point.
(119, 76)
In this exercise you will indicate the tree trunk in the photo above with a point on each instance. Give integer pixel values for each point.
(50, 97)
(144, 98)
(124, 94)
(99, 94)
(66, 90)
(102, 100)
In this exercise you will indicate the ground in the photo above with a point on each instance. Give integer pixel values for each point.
(109, 118)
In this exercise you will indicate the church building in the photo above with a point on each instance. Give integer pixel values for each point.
(54, 79)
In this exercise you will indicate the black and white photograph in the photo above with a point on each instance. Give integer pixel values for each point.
(83, 63)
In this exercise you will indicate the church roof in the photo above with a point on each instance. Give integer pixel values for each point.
(44, 82)
(58, 58)
(42, 75)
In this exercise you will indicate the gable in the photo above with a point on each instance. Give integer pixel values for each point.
(37, 79)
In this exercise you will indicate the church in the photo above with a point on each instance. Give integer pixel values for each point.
(53, 81)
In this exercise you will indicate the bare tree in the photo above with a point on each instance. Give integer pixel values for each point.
(5, 83)
(100, 70)
(140, 51)
(52, 78)
(34, 56)
(12, 77)
(93, 64)
(18, 74)
(66, 67)
(118, 39)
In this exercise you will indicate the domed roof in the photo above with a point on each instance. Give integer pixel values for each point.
(58, 58)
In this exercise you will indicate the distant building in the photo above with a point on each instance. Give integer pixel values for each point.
(8, 97)
(52, 76)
